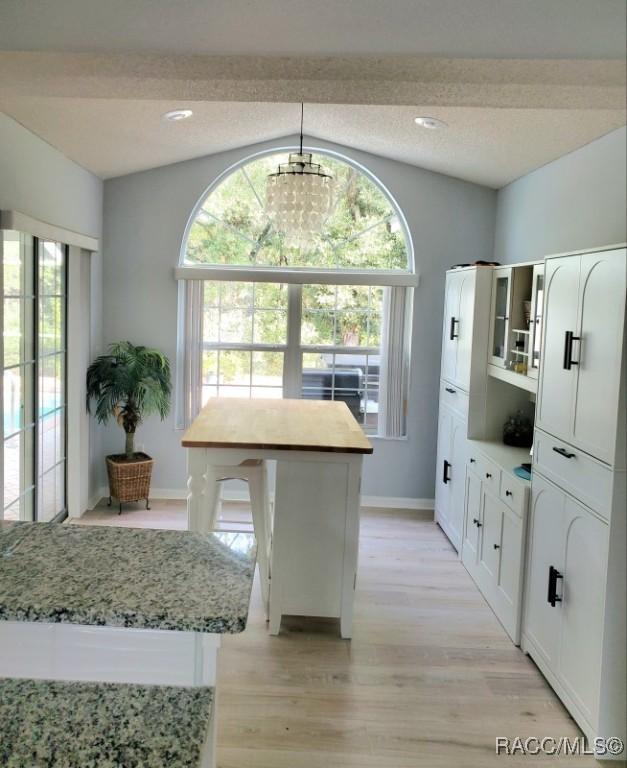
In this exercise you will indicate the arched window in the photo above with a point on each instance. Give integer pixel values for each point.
(327, 318)
(362, 230)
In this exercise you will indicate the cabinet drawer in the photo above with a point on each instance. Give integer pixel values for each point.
(489, 473)
(453, 397)
(583, 477)
(513, 493)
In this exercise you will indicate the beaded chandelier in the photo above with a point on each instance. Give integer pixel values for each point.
(298, 196)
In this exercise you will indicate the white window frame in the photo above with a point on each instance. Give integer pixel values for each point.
(295, 278)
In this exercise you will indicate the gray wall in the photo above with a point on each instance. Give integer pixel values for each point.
(144, 218)
(575, 202)
(38, 180)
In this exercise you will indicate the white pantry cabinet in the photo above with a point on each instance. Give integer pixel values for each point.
(575, 618)
(565, 595)
(580, 376)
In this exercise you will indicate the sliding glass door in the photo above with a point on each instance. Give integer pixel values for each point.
(34, 306)
(51, 355)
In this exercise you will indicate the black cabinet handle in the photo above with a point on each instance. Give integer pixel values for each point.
(488, 475)
(452, 334)
(569, 337)
(496, 546)
(476, 522)
(508, 493)
(451, 390)
(445, 477)
(563, 452)
(473, 461)
(553, 597)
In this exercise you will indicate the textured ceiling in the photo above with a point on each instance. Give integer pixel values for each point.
(520, 82)
(470, 28)
(485, 145)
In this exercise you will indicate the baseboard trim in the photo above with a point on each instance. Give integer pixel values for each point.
(390, 502)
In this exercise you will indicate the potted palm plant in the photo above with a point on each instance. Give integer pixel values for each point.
(128, 384)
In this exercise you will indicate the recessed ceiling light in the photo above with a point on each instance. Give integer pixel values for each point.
(432, 123)
(178, 114)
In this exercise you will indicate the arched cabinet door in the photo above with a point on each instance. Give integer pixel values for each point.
(442, 482)
(542, 620)
(600, 328)
(582, 608)
(451, 324)
(557, 380)
(465, 328)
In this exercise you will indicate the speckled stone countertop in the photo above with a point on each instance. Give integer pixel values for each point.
(126, 577)
(101, 725)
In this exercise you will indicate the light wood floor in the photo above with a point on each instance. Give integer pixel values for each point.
(429, 679)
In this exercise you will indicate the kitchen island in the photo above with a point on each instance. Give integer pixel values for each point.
(309, 556)
(137, 612)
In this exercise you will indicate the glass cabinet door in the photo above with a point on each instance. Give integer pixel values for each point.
(500, 318)
(537, 298)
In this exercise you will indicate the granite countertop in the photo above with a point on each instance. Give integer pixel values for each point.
(101, 725)
(126, 577)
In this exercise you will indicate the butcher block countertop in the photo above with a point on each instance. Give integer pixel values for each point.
(126, 577)
(286, 425)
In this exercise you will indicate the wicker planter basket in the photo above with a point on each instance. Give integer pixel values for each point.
(129, 479)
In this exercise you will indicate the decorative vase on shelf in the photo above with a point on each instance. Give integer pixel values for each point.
(518, 431)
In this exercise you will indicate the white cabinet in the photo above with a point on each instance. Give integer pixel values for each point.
(464, 330)
(584, 311)
(450, 482)
(494, 538)
(575, 618)
(458, 326)
(565, 595)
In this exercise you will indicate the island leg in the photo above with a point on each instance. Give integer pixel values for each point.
(351, 545)
(196, 482)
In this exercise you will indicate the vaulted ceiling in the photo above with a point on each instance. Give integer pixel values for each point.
(518, 83)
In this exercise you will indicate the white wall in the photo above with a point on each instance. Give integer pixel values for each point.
(38, 180)
(575, 202)
(144, 218)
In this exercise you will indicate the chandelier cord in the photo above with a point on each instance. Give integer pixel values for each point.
(302, 112)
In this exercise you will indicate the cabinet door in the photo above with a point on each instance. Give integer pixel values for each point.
(509, 575)
(490, 543)
(449, 331)
(537, 302)
(598, 354)
(465, 328)
(542, 621)
(499, 321)
(472, 515)
(457, 474)
(582, 608)
(557, 381)
(443, 460)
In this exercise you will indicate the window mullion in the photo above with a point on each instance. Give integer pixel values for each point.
(293, 366)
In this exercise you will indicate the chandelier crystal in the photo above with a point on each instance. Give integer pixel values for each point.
(299, 197)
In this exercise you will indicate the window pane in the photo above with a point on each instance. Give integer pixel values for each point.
(234, 368)
(50, 324)
(349, 378)
(12, 331)
(18, 465)
(209, 368)
(270, 326)
(236, 325)
(270, 296)
(267, 370)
